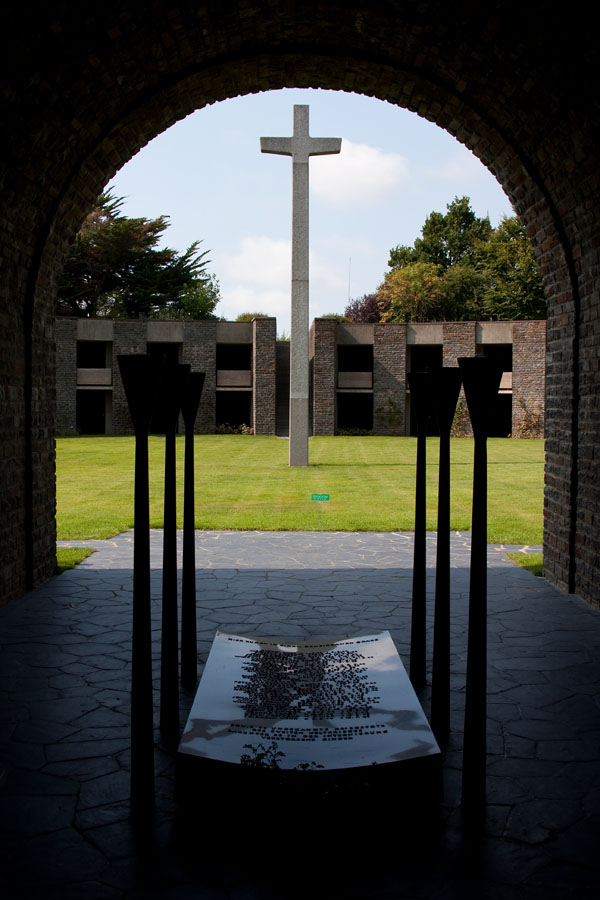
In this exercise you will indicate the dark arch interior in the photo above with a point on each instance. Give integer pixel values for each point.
(87, 88)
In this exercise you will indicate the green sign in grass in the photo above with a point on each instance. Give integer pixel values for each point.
(320, 496)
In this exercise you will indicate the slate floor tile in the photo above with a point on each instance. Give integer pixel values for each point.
(65, 709)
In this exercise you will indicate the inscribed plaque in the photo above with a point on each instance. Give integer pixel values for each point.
(331, 704)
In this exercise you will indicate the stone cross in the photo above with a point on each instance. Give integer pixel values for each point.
(300, 147)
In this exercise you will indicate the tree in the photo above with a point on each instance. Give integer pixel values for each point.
(364, 309)
(483, 272)
(248, 316)
(115, 269)
(446, 240)
(198, 301)
(412, 294)
(513, 283)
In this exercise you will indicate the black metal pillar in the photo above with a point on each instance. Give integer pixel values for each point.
(168, 408)
(140, 375)
(420, 398)
(481, 380)
(189, 646)
(445, 390)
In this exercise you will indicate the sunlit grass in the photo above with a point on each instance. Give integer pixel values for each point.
(533, 562)
(69, 557)
(244, 482)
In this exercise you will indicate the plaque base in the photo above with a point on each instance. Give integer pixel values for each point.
(318, 747)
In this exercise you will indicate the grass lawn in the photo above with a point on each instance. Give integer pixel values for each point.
(244, 482)
(533, 562)
(69, 557)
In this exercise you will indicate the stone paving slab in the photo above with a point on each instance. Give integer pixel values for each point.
(65, 821)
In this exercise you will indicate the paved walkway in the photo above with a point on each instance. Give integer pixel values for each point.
(65, 828)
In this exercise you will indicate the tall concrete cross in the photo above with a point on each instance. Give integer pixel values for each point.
(300, 147)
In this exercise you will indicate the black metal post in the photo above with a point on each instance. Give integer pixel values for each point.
(420, 396)
(189, 646)
(140, 375)
(168, 407)
(481, 380)
(445, 390)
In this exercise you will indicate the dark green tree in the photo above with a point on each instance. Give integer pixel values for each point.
(484, 272)
(513, 287)
(446, 240)
(115, 268)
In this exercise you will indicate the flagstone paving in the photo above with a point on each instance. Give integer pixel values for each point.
(65, 824)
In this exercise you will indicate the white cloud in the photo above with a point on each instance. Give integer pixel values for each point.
(257, 278)
(463, 167)
(242, 298)
(260, 261)
(360, 174)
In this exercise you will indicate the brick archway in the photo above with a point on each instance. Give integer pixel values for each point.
(86, 90)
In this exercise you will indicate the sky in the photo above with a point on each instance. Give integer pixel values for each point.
(207, 174)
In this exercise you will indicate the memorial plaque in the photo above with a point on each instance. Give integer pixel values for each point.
(318, 704)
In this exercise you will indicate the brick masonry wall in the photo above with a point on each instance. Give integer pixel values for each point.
(459, 340)
(587, 537)
(323, 348)
(200, 351)
(389, 379)
(12, 450)
(264, 365)
(529, 378)
(66, 376)
(87, 113)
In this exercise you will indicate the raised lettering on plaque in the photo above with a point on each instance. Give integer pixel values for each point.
(334, 704)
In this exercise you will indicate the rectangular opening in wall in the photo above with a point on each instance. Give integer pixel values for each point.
(233, 409)
(355, 366)
(234, 356)
(354, 412)
(234, 365)
(501, 419)
(93, 354)
(500, 354)
(94, 412)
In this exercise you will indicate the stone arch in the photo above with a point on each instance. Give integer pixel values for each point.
(149, 65)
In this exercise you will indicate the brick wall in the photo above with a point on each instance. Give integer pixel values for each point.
(66, 376)
(529, 378)
(503, 94)
(323, 351)
(459, 340)
(389, 379)
(264, 332)
(200, 351)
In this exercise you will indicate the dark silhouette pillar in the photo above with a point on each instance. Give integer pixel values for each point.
(420, 403)
(189, 646)
(141, 375)
(172, 386)
(445, 384)
(481, 381)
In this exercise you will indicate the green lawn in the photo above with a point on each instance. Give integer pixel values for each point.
(533, 562)
(244, 482)
(69, 557)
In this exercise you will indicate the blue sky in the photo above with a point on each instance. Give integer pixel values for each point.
(208, 175)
